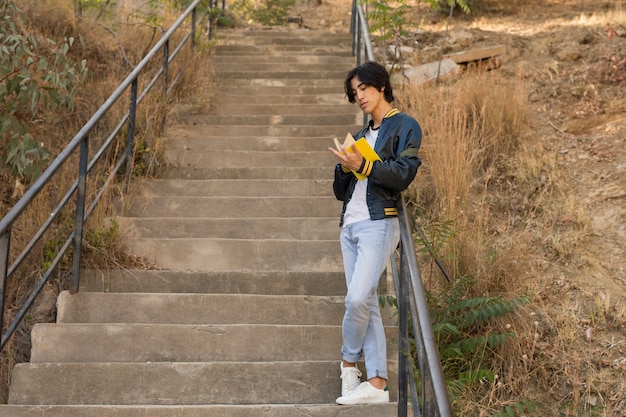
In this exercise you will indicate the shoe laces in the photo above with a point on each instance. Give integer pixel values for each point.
(350, 373)
(364, 387)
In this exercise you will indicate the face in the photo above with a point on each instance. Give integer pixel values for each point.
(366, 96)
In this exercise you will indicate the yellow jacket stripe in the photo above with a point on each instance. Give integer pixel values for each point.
(391, 211)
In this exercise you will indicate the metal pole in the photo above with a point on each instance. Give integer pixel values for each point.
(5, 245)
(353, 23)
(194, 18)
(166, 60)
(402, 293)
(131, 133)
(80, 214)
(422, 323)
(358, 43)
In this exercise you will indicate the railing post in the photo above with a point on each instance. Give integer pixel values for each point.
(5, 246)
(131, 132)
(402, 294)
(194, 18)
(353, 23)
(166, 61)
(212, 19)
(358, 42)
(80, 214)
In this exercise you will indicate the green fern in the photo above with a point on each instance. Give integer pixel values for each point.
(482, 309)
(520, 408)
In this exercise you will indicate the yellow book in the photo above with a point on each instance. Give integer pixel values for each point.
(366, 150)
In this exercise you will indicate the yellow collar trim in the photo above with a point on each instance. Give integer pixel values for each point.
(391, 112)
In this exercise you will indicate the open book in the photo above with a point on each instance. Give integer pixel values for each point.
(366, 150)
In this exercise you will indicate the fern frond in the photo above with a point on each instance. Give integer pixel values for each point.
(463, 5)
(493, 340)
(483, 309)
(445, 329)
(475, 375)
(520, 408)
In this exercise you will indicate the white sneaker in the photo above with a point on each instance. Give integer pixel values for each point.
(350, 379)
(365, 393)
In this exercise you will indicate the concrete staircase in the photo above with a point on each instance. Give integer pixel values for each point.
(242, 318)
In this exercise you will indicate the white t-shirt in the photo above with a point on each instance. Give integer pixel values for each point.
(357, 209)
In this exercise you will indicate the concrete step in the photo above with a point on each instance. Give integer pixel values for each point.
(191, 141)
(64, 343)
(203, 309)
(233, 207)
(260, 90)
(299, 63)
(240, 97)
(198, 137)
(237, 254)
(326, 283)
(235, 188)
(327, 50)
(242, 106)
(179, 383)
(282, 59)
(286, 86)
(206, 158)
(265, 410)
(303, 228)
(278, 32)
(183, 343)
(295, 74)
(253, 173)
(292, 37)
(280, 119)
(272, 131)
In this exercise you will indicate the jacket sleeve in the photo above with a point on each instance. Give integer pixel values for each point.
(341, 183)
(397, 171)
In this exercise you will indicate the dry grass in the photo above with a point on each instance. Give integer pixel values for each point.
(518, 222)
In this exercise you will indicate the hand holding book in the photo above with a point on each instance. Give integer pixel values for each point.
(360, 146)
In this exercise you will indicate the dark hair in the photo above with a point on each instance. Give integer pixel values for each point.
(371, 74)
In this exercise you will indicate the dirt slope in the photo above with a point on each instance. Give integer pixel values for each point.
(573, 54)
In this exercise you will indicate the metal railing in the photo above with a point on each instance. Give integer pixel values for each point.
(78, 189)
(433, 400)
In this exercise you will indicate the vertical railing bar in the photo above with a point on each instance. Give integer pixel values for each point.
(194, 18)
(5, 247)
(403, 334)
(31, 298)
(81, 197)
(417, 410)
(166, 61)
(358, 42)
(352, 26)
(368, 53)
(420, 351)
(131, 133)
(104, 187)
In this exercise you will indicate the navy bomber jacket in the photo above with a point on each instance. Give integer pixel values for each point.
(399, 139)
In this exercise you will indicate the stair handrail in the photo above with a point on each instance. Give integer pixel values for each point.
(411, 296)
(80, 142)
(413, 303)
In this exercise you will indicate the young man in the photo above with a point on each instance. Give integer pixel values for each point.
(369, 225)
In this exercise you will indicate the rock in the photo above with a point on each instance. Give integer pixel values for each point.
(406, 51)
(461, 38)
(427, 72)
(569, 54)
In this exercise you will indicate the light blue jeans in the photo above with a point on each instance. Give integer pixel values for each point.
(366, 247)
